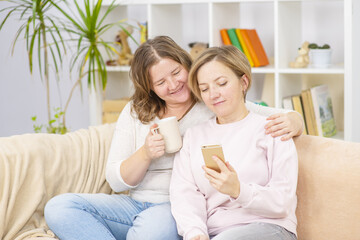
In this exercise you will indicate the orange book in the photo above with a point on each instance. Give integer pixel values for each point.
(249, 46)
(225, 37)
(260, 55)
(244, 47)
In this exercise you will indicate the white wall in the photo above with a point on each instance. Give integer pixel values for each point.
(23, 95)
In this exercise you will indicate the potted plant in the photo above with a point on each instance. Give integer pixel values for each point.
(43, 33)
(87, 27)
(320, 56)
(38, 29)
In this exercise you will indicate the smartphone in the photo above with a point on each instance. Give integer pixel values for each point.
(210, 150)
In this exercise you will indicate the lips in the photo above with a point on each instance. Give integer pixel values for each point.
(177, 91)
(218, 103)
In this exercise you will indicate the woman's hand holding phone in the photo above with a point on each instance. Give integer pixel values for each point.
(226, 181)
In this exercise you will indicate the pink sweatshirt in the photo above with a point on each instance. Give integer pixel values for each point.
(267, 169)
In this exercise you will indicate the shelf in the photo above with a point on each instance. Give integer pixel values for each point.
(282, 25)
(335, 69)
(265, 69)
(107, 3)
(118, 68)
(339, 135)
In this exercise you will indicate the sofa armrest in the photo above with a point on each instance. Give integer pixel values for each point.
(36, 167)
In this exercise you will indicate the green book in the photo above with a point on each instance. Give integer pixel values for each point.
(234, 39)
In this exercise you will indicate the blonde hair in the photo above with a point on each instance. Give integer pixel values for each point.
(230, 56)
(146, 104)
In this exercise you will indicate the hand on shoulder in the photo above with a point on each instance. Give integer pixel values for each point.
(289, 124)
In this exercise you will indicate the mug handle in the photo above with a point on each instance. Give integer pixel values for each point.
(155, 130)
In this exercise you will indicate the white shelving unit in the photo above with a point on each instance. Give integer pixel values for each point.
(283, 25)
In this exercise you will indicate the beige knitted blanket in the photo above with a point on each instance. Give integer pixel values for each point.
(36, 167)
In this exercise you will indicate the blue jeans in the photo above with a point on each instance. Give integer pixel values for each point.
(109, 217)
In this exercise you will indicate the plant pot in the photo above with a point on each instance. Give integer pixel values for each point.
(320, 58)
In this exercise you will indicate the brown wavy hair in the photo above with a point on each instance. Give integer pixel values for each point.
(146, 104)
(230, 56)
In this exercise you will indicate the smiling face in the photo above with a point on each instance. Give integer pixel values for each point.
(169, 81)
(222, 91)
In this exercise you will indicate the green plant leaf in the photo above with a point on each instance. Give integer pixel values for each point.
(7, 16)
(31, 48)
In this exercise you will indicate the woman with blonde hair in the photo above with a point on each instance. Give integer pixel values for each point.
(137, 161)
(253, 195)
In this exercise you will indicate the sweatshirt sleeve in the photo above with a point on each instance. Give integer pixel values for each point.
(278, 197)
(188, 204)
(122, 147)
(263, 110)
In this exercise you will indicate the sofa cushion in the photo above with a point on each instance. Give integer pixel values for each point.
(328, 189)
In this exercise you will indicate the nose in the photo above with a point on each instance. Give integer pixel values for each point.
(172, 83)
(214, 93)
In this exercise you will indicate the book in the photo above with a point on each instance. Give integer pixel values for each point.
(225, 37)
(297, 104)
(287, 103)
(256, 48)
(324, 116)
(244, 47)
(308, 112)
(234, 39)
(249, 47)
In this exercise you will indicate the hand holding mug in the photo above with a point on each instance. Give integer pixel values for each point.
(169, 129)
(154, 144)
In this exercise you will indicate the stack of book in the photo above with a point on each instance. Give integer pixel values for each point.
(248, 41)
(315, 106)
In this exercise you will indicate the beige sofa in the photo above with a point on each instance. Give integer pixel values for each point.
(36, 167)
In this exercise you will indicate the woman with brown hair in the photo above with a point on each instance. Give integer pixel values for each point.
(137, 161)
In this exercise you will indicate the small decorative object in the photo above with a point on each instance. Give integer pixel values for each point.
(320, 56)
(111, 63)
(197, 48)
(143, 32)
(302, 60)
(125, 55)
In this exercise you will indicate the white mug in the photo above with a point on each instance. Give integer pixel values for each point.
(169, 129)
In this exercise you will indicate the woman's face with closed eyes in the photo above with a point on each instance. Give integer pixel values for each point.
(221, 90)
(169, 81)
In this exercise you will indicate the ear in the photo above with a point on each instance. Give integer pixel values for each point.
(245, 82)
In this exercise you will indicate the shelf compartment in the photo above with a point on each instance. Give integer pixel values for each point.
(244, 14)
(168, 19)
(300, 21)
